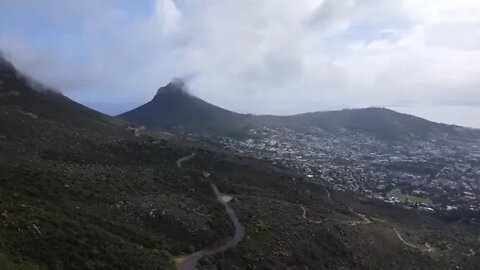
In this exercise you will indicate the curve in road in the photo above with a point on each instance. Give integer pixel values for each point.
(190, 262)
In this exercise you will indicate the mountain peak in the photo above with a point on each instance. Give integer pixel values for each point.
(5, 65)
(6, 68)
(176, 86)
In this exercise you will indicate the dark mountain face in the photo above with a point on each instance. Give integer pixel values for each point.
(174, 109)
(6, 67)
(31, 107)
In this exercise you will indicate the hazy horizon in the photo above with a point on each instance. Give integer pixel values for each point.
(263, 57)
(444, 114)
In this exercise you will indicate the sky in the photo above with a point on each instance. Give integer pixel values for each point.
(255, 56)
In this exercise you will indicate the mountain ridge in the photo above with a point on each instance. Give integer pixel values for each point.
(20, 94)
(174, 109)
(167, 111)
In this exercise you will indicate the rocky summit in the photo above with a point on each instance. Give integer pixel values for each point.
(174, 109)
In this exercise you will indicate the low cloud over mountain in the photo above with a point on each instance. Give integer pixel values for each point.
(250, 56)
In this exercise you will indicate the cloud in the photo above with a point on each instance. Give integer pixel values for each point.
(271, 56)
(167, 12)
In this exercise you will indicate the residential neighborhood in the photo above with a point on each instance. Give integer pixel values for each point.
(434, 175)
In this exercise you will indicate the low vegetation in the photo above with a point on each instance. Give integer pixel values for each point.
(81, 192)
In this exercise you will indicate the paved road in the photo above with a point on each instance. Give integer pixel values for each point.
(190, 262)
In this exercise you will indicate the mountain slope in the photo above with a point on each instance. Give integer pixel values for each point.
(80, 193)
(23, 94)
(379, 122)
(173, 108)
(54, 153)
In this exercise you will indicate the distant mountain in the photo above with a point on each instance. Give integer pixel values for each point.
(174, 109)
(380, 122)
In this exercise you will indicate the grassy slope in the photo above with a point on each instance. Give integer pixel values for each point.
(77, 192)
(106, 202)
(415, 199)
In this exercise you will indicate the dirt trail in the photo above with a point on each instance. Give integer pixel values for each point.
(180, 161)
(329, 195)
(189, 262)
(304, 216)
(427, 249)
(363, 218)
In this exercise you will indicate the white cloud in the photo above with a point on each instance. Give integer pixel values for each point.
(168, 15)
(273, 56)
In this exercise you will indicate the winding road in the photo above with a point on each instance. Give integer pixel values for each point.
(189, 262)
